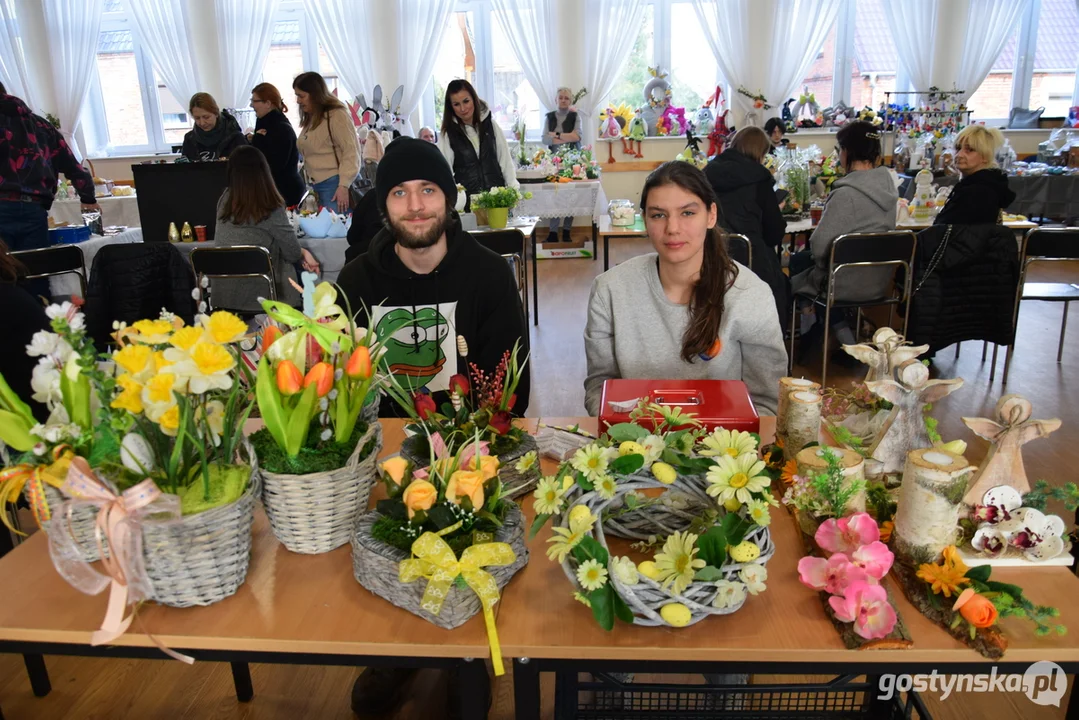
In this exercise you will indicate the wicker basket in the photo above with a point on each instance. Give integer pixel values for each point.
(317, 512)
(202, 559)
(647, 597)
(375, 565)
(83, 520)
(514, 483)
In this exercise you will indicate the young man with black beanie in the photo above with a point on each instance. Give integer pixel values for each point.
(424, 269)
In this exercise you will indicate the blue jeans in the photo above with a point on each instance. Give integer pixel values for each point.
(25, 226)
(325, 190)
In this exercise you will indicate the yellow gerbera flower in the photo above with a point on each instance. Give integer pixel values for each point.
(224, 327)
(732, 443)
(946, 577)
(676, 564)
(565, 539)
(737, 478)
(790, 469)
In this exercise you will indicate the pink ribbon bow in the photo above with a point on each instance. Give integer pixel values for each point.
(118, 522)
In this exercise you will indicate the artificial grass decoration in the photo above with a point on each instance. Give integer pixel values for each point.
(227, 484)
(313, 457)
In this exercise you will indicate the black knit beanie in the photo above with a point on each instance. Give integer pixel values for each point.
(407, 159)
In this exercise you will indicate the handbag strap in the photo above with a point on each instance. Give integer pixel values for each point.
(937, 257)
(333, 146)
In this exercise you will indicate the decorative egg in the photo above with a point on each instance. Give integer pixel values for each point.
(135, 454)
(676, 614)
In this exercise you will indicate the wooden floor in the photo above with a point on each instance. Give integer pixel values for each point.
(143, 690)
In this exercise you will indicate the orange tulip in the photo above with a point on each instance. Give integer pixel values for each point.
(322, 375)
(289, 378)
(978, 610)
(269, 336)
(359, 363)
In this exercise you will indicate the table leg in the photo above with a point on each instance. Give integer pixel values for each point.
(535, 282)
(6, 543)
(1072, 711)
(475, 689)
(606, 252)
(526, 689)
(595, 240)
(241, 678)
(38, 673)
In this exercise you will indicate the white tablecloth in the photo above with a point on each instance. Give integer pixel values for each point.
(114, 211)
(553, 200)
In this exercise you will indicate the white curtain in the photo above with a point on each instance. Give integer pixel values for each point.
(726, 28)
(419, 40)
(244, 32)
(164, 33)
(799, 31)
(72, 27)
(914, 29)
(530, 27)
(344, 28)
(989, 25)
(12, 60)
(610, 29)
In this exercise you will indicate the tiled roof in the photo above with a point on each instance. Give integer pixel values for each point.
(1057, 46)
(874, 49)
(286, 32)
(117, 41)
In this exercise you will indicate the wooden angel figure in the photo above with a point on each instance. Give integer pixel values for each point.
(1012, 429)
(904, 430)
(884, 353)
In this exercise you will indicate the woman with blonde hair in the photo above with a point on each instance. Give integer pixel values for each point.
(982, 193)
(276, 139)
(331, 152)
(216, 133)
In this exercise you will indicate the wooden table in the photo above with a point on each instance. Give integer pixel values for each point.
(783, 631)
(293, 609)
(607, 231)
(527, 227)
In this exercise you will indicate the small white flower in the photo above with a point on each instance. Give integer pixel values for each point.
(625, 570)
(56, 311)
(115, 324)
(204, 282)
(591, 575)
(77, 322)
(40, 449)
(327, 434)
(729, 594)
(45, 382)
(754, 575)
(653, 448)
(43, 343)
(195, 295)
(337, 375)
(332, 395)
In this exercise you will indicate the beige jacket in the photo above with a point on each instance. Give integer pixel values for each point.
(319, 162)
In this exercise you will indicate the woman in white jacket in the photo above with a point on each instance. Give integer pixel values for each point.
(472, 142)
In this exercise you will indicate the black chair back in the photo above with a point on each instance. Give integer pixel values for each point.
(235, 262)
(739, 249)
(503, 242)
(853, 253)
(1052, 243)
(52, 261)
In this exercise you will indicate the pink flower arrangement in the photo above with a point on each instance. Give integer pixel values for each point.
(851, 574)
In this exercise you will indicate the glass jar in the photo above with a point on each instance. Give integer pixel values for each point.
(622, 212)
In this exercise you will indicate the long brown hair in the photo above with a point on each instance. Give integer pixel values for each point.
(322, 101)
(752, 142)
(252, 194)
(10, 268)
(204, 101)
(717, 269)
(269, 93)
(449, 117)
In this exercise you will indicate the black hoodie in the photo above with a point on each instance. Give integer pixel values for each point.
(276, 138)
(748, 205)
(977, 199)
(471, 294)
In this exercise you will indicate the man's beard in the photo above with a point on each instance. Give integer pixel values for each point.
(412, 240)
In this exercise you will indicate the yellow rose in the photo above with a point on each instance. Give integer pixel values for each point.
(488, 466)
(419, 495)
(395, 469)
(466, 483)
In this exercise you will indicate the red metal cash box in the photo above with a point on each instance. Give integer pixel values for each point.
(715, 403)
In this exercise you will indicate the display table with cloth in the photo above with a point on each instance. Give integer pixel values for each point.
(1048, 196)
(67, 285)
(114, 211)
(578, 198)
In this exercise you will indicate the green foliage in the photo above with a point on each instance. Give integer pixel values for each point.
(931, 424)
(625, 432)
(730, 531)
(708, 574)
(845, 437)
(500, 197)
(1010, 601)
(631, 81)
(880, 500)
(627, 464)
(313, 457)
(834, 489)
(1043, 492)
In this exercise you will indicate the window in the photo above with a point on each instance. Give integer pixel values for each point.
(284, 62)
(456, 60)
(693, 71)
(821, 74)
(630, 86)
(993, 98)
(513, 95)
(1055, 53)
(875, 62)
(121, 91)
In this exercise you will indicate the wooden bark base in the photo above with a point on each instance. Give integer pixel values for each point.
(990, 642)
(898, 639)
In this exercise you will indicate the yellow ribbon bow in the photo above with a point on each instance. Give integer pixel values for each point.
(34, 478)
(434, 560)
(327, 325)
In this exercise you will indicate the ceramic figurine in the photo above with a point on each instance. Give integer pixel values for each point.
(884, 353)
(923, 196)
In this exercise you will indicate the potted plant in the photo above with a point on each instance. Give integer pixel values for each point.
(497, 202)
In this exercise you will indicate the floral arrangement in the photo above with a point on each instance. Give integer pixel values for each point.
(759, 101)
(825, 494)
(312, 384)
(793, 176)
(566, 164)
(1005, 523)
(499, 197)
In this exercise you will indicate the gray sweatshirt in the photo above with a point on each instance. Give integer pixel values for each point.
(863, 201)
(635, 331)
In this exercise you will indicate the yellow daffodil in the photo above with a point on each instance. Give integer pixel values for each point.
(224, 327)
(169, 421)
(134, 359)
(591, 575)
(548, 497)
(206, 367)
(185, 338)
(151, 332)
(158, 391)
(732, 443)
(565, 539)
(738, 477)
(676, 563)
(130, 398)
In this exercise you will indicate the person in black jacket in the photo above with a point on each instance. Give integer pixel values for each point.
(216, 133)
(981, 195)
(22, 318)
(748, 205)
(472, 142)
(366, 223)
(275, 137)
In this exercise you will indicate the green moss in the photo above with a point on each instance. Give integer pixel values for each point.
(313, 457)
(390, 531)
(227, 484)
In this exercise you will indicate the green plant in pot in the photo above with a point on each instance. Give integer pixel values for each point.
(497, 203)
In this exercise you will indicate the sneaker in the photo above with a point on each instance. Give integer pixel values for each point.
(566, 236)
(552, 237)
(378, 689)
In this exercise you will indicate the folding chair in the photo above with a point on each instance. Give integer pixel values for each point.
(739, 249)
(508, 243)
(235, 263)
(850, 254)
(53, 261)
(1042, 245)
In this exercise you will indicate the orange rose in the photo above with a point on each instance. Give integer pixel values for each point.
(466, 483)
(978, 610)
(488, 466)
(419, 495)
(395, 469)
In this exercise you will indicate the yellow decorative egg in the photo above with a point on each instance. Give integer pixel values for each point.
(648, 569)
(664, 473)
(732, 504)
(745, 552)
(955, 447)
(579, 513)
(677, 614)
(629, 447)
(568, 482)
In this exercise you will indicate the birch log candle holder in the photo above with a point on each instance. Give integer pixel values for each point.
(787, 385)
(811, 461)
(803, 421)
(930, 500)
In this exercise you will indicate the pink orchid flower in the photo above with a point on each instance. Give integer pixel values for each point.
(846, 535)
(875, 558)
(867, 607)
(833, 575)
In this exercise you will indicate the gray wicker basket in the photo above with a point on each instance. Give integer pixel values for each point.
(375, 565)
(83, 519)
(514, 483)
(202, 559)
(317, 512)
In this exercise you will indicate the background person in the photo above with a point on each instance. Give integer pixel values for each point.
(276, 139)
(562, 128)
(331, 152)
(982, 192)
(216, 133)
(472, 142)
(428, 135)
(775, 130)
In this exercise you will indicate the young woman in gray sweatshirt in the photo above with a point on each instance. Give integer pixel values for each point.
(686, 311)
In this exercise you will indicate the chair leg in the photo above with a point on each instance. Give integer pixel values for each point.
(985, 349)
(1063, 327)
(824, 351)
(957, 346)
(1007, 365)
(993, 367)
